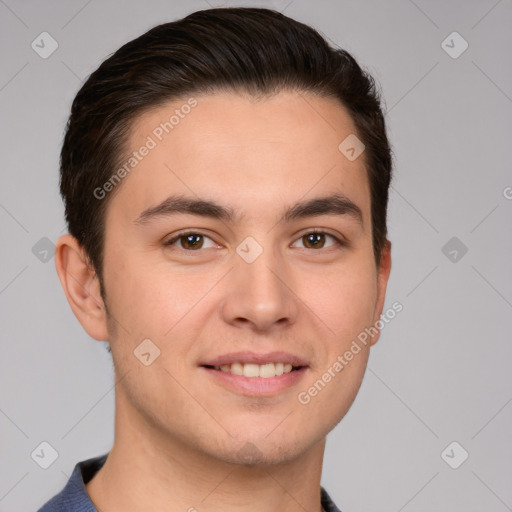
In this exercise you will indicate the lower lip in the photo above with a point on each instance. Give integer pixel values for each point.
(256, 386)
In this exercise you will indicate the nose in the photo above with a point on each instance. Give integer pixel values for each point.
(260, 294)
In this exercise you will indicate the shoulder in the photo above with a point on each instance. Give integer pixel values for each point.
(74, 497)
(327, 504)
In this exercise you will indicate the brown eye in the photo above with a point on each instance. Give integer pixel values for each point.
(314, 240)
(190, 241)
(194, 241)
(317, 240)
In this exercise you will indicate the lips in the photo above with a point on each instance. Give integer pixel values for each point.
(256, 374)
(255, 386)
(244, 358)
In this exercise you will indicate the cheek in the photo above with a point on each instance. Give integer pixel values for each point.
(346, 304)
(162, 304)
(344, 300)
(141, 296)
(331, 392)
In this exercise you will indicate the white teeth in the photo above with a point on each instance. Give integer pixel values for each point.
(237, 369)
(251, 370)
(266, 371)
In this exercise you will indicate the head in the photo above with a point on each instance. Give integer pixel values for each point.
(212, 209)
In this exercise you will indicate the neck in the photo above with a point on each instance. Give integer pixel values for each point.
(146, 470)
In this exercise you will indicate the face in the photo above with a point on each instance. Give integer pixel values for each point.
(262, 275)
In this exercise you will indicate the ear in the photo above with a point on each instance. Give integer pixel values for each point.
(382, 281)
(81, 286)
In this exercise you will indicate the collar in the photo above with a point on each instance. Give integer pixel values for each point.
(74, 496)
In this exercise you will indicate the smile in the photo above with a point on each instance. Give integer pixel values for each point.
(247, 383)
(251, 370)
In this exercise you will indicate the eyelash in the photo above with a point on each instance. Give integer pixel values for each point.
(338, 242)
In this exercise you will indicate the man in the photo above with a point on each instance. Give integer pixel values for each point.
(226, 181)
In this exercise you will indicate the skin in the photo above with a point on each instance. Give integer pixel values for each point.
(177, 432)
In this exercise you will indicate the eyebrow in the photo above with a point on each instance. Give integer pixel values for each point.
(336, 204)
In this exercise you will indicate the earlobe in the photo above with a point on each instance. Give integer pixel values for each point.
(384, 271)
(81, 286)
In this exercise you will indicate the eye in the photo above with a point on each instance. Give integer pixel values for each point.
(190, 241)
(193, 241)
(316, 240)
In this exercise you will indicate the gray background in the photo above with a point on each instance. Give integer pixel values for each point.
(441, 371)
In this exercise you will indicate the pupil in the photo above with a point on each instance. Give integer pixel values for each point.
(314, 238)
(190, 239)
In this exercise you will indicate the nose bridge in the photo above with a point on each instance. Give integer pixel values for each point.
(260, 293)
(262, 272)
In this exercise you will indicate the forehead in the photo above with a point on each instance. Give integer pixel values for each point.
(244, 152)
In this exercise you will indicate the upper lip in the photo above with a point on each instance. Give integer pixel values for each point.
(255, 358)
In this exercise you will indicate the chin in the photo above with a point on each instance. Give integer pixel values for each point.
(251, 450)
